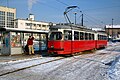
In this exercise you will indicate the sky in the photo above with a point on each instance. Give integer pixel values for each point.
(96, 13)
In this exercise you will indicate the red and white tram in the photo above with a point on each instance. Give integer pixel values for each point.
(70, 39)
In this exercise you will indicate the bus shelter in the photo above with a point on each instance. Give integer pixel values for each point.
(14, 40)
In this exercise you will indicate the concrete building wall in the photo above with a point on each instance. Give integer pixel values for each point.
(29, 24)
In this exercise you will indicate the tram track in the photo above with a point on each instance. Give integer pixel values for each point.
(19, 69)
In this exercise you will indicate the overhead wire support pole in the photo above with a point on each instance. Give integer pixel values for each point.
(112, 28)
(82, 20)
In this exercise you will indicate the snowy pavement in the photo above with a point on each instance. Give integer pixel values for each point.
(100, 65)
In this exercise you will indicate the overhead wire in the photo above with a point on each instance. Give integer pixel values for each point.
(101, 8)
(93, 21)
(96, 19)
(50, 6)
(62, 3)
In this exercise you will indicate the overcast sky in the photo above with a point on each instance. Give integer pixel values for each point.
(97, 13)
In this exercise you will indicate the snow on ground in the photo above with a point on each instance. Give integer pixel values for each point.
(114, 70)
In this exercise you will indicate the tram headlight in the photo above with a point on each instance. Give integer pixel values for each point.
(52, 46)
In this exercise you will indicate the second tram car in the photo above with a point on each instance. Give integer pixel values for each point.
(70, 39)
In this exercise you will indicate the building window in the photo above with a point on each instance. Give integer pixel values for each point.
(10, 14)
(28, 24)
(39, 25)
(2, 18)
(43, 25)
(2, 13)
(10, 19)
(34, 24)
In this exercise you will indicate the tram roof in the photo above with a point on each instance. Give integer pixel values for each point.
(23, 30)
(68, 26)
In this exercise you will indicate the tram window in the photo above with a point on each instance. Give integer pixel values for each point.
(105, 37)
(92, 36)
(86, 36)
(76, 35)
(98, 37)
(56, 36)
(81, 36)
(102, 37)
(67, 35)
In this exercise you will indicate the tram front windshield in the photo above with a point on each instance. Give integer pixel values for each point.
(56, 36)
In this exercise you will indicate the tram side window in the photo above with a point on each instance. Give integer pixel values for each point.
(86, 36)
(76, 35)
(67, 35)
(101, 37)
(81, 36)
(98, 37)
(92, 36)
(105, 37)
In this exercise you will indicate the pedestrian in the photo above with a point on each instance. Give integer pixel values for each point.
(30, 44)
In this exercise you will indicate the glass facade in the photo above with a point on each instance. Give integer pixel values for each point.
(10, 19)
(7, 19)
(2, 19)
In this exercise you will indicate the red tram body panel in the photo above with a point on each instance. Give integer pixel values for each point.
(70, 47)
(101, 44)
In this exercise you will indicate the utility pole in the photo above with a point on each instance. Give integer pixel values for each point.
(75, 17)
(82, 20)
(112, 28)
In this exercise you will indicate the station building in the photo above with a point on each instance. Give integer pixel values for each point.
(113, 31)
